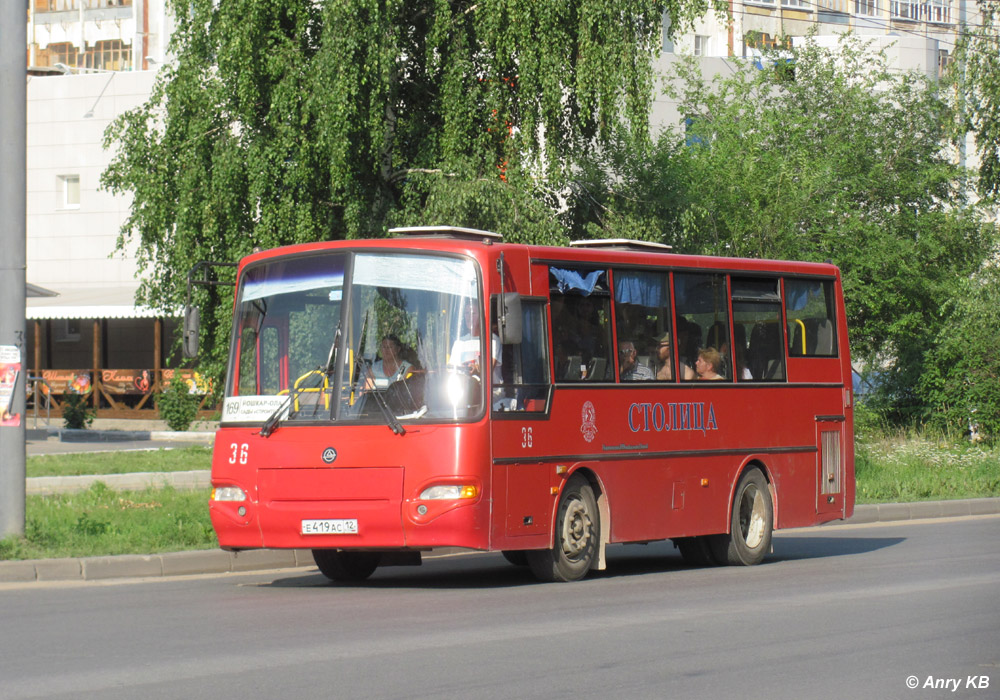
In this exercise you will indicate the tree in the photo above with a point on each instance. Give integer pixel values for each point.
(977, 76)
(286, 121)
(819, 154)
(961, 383)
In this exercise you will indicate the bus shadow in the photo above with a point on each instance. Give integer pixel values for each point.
(632, 560)
(470, 571)
(490, 570)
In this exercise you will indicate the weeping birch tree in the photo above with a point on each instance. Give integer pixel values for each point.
(284, 121)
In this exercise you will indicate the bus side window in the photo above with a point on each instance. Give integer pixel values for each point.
(642, 320)
(810, 317)
(581, 325)
(757, 330)
(703, 322)
(526, 364)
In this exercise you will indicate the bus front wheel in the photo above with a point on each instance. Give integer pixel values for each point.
(340, 565)
(751, 523)
(578, 531)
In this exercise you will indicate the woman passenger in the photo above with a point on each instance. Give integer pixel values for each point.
(708, 364)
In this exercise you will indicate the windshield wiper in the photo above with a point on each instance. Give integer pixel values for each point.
(324, 372)
(390, 418)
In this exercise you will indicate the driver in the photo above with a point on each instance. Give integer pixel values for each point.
(391, 367)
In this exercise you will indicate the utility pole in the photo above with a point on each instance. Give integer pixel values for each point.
(13, 259)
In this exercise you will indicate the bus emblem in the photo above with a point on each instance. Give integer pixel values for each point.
(329, 454)
(588, 427)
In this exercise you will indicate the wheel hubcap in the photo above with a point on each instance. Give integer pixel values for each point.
(752, 517)
(576, 530)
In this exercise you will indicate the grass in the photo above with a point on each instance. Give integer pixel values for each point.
(902, 468)
(99, 521)
(127, 462)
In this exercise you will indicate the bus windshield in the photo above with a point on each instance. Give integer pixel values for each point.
(358, 337)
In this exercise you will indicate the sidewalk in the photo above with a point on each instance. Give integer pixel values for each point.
(216, 561)
(122, 430)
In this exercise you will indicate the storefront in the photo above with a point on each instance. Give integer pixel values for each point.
(98, 343)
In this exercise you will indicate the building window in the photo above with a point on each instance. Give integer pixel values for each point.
(798, 4)
(868, 8)
(67, 5)
(64, 53)
(905, 9)
(938, 11)
(700, 45)
(69, 191)
(107, 55)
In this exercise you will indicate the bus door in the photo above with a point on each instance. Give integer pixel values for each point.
(520, 404)
(830, 463)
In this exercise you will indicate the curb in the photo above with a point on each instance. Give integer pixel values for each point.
(88, 435)
(217, 561)
(133, 481)
(212, 561)
(71, 435)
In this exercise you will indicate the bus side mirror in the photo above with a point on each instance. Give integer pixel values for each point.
(509, 318)
(192, 321)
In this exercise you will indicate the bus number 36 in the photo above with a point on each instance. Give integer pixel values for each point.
(525, 438)
(239, 453)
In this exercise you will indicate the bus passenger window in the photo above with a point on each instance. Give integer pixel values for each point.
(642, 320)
(757, 346)
(810, 317)
(702, 323)
(525, 366)
(581, 325)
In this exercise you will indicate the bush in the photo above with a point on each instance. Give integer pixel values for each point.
(961, 381)
(177, 406)
(77, 415)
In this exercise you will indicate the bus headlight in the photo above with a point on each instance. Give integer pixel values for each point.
(228, 493)
(445, 492)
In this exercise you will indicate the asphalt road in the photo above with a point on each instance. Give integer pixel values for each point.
(836, 612)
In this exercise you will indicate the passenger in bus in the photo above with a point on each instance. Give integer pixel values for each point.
(740, 352)
(466, 349)
(688, 339)
(665, 368)
(708, 364)
(629, 368)
(718, 338)
(390, 367)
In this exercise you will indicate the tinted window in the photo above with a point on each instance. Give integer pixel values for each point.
(581, 325)
(642, 322)
(703, 326)
(809, 313)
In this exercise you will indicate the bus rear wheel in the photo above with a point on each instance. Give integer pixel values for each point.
(340, 565)
(751, 523)
(578, 531)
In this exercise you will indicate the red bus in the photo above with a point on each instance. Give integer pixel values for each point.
(443, 388)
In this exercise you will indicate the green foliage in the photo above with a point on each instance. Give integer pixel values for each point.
(902, 468)
(847, 163)
(177, 406)
(977, 77)
(961, 385)
(100, 522)
(77, 414)
(84, 463)
(298, 121)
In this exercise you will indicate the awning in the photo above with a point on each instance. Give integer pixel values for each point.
(90, 302)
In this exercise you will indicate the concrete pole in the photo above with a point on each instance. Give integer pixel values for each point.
(13, 248)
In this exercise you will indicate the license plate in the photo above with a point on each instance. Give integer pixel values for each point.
(342, 526)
